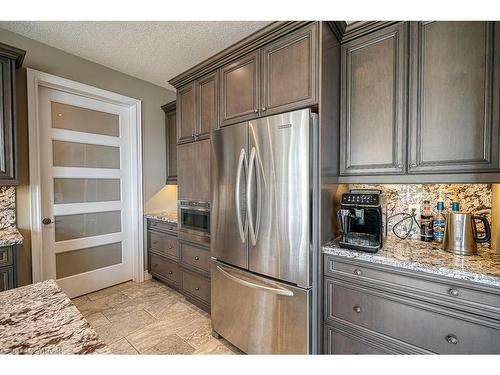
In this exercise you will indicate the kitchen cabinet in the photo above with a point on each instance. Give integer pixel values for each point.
(7, 268)
(289, 71)
(455, 81)
(10, 59)
(401, 311)
(171, 142)
(240, 89)
(181, 264)
(207, 104)
(186, 113)
(193, 163)
(373, 103)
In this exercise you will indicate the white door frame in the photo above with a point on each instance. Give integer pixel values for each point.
(36, 79)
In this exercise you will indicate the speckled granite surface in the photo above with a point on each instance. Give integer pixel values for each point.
(427, 257)
(169, 217)
(7, 207)
(41, 319)
(10, 236)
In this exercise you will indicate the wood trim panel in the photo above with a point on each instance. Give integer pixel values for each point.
(199, 83)
(188, 89)
(13, 53)
(347, 32)
(170, 128)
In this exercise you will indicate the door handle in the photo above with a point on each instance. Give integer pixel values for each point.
(279, 290)
(251, 229)
(241, 162)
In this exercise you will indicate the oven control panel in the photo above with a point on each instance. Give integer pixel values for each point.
(371, 199)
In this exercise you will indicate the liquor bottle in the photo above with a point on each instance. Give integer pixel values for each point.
(455, 203)
(439, 220)
(426, 222)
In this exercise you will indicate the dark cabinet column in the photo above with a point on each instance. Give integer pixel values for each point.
(239, 97)
(171, 141)
(373, 103)
(289, 71)
(186, 113)
(455, 68)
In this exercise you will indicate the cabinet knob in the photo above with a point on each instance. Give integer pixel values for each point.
(155, 242)
(153, 224)
(263, 109)
(453, 292)
(413, 165)
(399, 166)
(452, 339)
(170, 247)
(357, 309)
(47, 221)
(197, 288)
(256, 110)
(170, 272)
(197, 258)
(358, 272)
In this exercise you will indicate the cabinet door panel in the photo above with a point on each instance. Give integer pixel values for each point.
(207, 104)
(373, 121)
(171, 142)
(240, 90)
(455, 87)
(7, 139)
(194, 171)
(185, 113)
(289, 68)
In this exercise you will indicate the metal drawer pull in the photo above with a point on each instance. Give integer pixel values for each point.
(453, 292)
(170, 272)
(155, 242)
(170, 247)
(358, 272)
(197, 258)
(153, 224)
(197, 288)
(357, 309)
(452, 339)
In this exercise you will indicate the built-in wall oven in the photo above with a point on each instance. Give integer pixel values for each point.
(194, 220)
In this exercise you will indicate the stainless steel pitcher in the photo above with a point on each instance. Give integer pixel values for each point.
(460, 233)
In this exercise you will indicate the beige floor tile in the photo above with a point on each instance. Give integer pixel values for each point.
(215, 346)
(141, 289)
(104, 303)
(143, 302)
(159, 308)
(122, 347)
(119, 329)
(111, 290)
(97, 319)
(198, 333)
(172, 344)
(78, 301)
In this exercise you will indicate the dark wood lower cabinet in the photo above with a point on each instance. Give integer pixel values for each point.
(380, 309)
(7, 268)
(182, 265)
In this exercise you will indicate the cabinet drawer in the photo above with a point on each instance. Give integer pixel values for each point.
(5, 256)
(449, 294)
(423, 325)
(196, 286)
(6, 278)
(339, 343)
(163, 244)
(164, 268)
(162, 226)
(195, 257)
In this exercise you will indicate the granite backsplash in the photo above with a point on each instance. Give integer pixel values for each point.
(474, 198)
(7, 207)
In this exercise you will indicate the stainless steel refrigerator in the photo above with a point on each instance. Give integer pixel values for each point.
(264, 210)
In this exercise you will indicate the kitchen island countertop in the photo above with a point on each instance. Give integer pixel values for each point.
(41, 319)
(427, 257)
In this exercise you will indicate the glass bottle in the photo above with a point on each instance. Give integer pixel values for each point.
(426, 222)
(439, 220)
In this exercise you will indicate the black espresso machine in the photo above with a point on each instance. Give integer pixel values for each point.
(363, 220)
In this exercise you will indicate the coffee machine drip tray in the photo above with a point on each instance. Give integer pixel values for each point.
(361, 241)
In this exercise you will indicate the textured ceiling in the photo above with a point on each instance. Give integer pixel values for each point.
(152, 51)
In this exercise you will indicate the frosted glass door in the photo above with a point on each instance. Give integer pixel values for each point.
(84, 159)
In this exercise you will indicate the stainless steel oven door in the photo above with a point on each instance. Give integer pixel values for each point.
(194, 220)
(257, 314)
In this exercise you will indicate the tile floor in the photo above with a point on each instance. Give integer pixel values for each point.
(150, 318)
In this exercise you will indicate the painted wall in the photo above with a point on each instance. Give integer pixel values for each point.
(54, 61)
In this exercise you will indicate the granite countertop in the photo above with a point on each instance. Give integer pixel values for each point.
(166, 216)
(416, 255)
(10, 236)
(41, 319)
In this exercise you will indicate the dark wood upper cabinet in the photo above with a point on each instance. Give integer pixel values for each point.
(455, 76)
(240, 89)
(289, 71)
(10, 59)
(171, 141)
(207, 104)
(186, 113)
(373, 103)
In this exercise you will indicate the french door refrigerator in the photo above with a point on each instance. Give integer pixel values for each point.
(264, 204)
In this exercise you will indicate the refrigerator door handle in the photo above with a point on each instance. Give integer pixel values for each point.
(279, 291)
(241, 163)
(251, 229)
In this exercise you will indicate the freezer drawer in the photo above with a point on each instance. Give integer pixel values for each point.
(259, 315)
